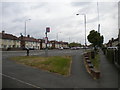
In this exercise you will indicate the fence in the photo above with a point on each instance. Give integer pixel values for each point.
(112, 55)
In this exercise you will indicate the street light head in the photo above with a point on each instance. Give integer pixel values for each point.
(77, 14)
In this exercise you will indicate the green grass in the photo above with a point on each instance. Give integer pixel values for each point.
(56, 64)
(96, 61)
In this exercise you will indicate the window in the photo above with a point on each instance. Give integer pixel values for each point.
(4, 46)
(9, 46)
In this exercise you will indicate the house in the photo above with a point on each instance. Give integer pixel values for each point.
(55, 44)
(42, 43)
(29, 42)
(112, 43)
(65, 44)
(9, 41)
(49, 44)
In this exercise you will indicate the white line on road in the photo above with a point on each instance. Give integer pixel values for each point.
(20, 80)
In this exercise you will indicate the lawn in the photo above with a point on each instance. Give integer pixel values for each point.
(96, 61)
(56, 64)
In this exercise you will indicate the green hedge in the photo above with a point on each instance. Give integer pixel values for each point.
(112, 55)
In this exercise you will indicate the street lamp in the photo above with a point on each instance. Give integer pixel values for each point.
(57, 38)
(26, 25)
(57, 35)
(85, 26)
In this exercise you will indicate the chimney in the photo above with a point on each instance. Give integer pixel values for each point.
(112, 39)
(3, 32)
(21, 35)
(28, 35)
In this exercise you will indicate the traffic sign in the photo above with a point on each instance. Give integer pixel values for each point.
(47, 29)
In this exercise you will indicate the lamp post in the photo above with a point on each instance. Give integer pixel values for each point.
(46, 40)
(98, 18)
(57, 35)
(57, 39)
(26, 25)
(85, 26)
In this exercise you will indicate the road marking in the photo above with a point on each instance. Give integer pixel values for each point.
(20, 81)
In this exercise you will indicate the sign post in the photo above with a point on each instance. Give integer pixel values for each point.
(46, 40)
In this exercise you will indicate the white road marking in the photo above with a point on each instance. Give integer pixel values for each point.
(20, 81)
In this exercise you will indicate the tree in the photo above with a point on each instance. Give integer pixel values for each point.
(73, 44)
(95, 38)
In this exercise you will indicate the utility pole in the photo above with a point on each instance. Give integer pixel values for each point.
(98, 18)
(46, 40)
(85, 27)
(26, 26)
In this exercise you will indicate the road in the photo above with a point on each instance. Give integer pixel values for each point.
(16, 75)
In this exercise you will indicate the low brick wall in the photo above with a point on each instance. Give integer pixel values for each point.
(90, 68)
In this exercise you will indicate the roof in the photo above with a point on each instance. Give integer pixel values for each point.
(59, 42)
(8, 36)
(31, 39)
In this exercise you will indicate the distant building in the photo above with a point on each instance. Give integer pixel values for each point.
(42, 43)
(49, 45)
(29, 42)
(9, 41)
(112, 43)
(56, 44)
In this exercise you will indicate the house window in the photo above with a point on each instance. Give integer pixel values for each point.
(17, 46)
(9, 46)
(4, 46)
(13, 46)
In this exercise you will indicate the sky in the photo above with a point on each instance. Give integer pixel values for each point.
(61, 17)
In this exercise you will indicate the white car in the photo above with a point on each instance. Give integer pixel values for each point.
(61, 48)
(112, 47)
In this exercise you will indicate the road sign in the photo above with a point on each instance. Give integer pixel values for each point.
(47, 29)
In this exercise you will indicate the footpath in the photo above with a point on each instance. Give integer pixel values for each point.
(109, 73)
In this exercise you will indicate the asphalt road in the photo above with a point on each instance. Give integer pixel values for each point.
(16, 75)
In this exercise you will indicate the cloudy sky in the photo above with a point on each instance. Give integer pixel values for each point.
(61, 18)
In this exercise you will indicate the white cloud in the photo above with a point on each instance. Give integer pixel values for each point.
(61, 17)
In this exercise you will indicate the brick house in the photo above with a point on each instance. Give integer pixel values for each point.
(29, 42)
(9, 41)
(112, 43)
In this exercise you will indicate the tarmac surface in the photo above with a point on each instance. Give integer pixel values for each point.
(16, 75)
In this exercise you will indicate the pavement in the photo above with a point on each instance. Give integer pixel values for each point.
(16, 75)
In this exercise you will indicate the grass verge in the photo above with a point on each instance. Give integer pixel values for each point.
(96, 61)
(56, 64)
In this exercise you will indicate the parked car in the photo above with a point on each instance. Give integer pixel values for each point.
(31, 49)
(74, 48)
(66, 48)
(112, 47)
(61, 48)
